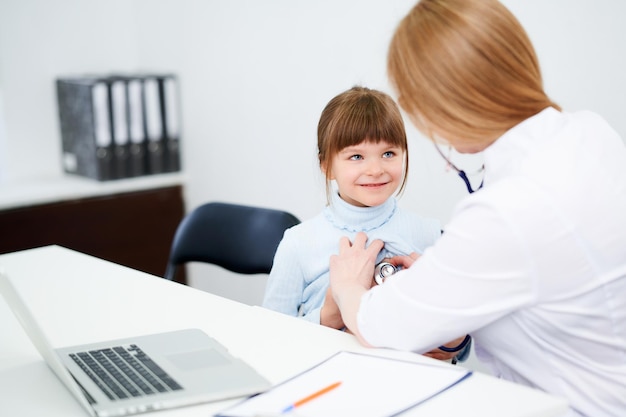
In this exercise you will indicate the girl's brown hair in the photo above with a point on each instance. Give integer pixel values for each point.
(357, 115)
(465, 69)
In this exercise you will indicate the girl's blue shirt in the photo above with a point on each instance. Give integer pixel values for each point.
(298, 281)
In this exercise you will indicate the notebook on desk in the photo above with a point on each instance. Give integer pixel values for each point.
(353, 384)
(143, 373)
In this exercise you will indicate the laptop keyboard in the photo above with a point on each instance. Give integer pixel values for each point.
(124, 372)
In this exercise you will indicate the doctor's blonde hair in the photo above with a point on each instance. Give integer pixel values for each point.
(465, 69)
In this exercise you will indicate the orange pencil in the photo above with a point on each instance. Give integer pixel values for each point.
(310, 397)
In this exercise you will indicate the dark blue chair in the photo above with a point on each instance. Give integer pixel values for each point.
(239, 238)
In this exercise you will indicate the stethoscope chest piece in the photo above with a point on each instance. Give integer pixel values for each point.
(382, 271)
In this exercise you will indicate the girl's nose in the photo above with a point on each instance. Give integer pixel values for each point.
(375, 167)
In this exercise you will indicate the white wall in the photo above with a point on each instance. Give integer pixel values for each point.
(255, 76)
(3, 142)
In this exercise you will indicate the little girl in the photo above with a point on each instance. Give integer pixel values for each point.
(362, 147)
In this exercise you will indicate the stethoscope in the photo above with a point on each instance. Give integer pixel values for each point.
(384, 269)
(461, 173)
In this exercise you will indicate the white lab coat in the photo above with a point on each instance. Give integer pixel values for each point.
(533, 266)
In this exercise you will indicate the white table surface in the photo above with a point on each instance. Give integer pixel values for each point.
(78, 299)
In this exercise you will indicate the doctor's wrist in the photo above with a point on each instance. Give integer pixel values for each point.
(462, 350)
(466, 340)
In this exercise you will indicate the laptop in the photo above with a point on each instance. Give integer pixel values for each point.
(143, 373)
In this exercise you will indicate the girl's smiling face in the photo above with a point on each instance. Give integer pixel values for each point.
(369, 173)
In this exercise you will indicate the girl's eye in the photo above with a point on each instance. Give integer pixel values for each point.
(356, 157)
(388, 154)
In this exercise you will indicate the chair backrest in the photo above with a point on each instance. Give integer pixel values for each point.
(242, 239)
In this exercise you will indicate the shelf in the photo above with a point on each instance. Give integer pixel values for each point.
(68, 187)
(129, 222)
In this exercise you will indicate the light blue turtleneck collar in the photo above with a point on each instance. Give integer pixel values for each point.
(358, 219)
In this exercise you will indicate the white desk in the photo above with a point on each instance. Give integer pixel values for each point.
(78, 299)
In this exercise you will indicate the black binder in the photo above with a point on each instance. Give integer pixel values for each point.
(118, 110)
(84, 113)
(119, 126)
(153, 125)
(170, 117)
(137, 133)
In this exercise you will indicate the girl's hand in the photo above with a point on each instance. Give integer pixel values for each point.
(330, 316)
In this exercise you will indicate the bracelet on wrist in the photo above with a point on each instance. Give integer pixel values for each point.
(459, 347)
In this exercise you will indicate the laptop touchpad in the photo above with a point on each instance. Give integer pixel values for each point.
(198, 359)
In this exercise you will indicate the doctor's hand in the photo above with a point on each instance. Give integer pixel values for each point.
(404, 261)
(351, 274)
(354, 265)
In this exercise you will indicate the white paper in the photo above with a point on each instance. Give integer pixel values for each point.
(371, 386)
